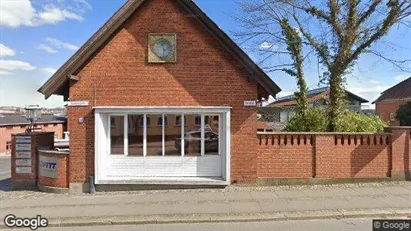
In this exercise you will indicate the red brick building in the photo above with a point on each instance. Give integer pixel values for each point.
(390, 100)
(151, 65)
(13, 124)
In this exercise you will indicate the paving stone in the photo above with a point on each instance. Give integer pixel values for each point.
(245, 207)
(337, 203)
(215, 196)
(334, 192)
(264, 195)
(202, 208)
(370, 191)
(237, 196)
(365, 203)
(397, 190)
(290, 194)
(306, 205)
(276, 206)
(395, 201)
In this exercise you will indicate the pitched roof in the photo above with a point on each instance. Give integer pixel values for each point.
(313, 96)
(9, 120)
(57, 84)
(399, 92)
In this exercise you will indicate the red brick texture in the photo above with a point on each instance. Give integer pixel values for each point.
(401, 150)
(285, 156)
(62, 181)
(206, 74)
(347, 156)
(333, 155)
(383, 110)
(37, 140)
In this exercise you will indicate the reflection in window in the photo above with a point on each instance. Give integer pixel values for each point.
(211, 135)
(113, 122)
(178, 120)
(117, 135)
(172, 139)
(160, 120)
(141, 121)
(197, 120)
(135, 135)
(192, 137)
(154, 138)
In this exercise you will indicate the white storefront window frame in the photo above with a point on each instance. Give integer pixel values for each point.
(101, 134)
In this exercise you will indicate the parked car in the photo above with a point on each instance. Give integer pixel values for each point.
(193, 139)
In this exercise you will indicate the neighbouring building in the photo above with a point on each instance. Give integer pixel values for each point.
(13, 124)
(151, 65)
(283, 109)
(391, 99)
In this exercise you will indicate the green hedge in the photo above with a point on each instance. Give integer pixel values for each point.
(349, 121)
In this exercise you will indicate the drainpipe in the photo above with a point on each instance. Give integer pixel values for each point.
(91, 187)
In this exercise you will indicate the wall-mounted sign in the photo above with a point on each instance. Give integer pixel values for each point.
(23, 154)
(77, 103)
(48, 166)
(250, 103)
(23, 147)
(23, 170)
(23, 162)
(23, 139)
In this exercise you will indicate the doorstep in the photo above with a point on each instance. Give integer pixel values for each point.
(194, 181)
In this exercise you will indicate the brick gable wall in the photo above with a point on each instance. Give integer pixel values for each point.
(204, 75)
(384, 109)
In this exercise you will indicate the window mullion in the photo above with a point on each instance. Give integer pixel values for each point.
(144, 135)
(220, 132)
(109, 135)
(125, 135)
(182, 134)
(163, 135)
(202, 135)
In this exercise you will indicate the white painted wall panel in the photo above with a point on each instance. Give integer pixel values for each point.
(207, 166)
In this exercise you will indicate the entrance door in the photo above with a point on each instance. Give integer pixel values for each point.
(166, 144)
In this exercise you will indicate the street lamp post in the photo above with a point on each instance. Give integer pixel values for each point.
(33, 114)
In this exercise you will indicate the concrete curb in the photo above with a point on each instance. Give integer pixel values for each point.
(242, 217)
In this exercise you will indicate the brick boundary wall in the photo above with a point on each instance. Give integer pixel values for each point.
(62, 180)
(28, 181)
(334, 155)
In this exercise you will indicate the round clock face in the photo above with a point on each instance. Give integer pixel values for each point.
(163, 48)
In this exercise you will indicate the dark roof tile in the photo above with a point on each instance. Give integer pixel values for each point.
(399, 92)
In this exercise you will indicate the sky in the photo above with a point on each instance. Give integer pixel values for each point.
(37, 37)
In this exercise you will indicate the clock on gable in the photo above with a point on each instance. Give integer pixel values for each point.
(162, 48)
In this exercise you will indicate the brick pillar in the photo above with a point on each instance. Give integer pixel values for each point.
(401, 152)
(24, 158)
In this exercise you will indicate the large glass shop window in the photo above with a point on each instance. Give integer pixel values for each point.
(154, 135)
(212, 134)
(172, 136)
(192, 136)
(117, 135)
(135, 135)
(165, 135)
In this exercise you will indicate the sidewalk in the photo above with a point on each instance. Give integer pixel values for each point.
(231, 204)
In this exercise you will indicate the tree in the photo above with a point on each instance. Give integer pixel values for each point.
(404, 114)
(294, 46)
(338, 31)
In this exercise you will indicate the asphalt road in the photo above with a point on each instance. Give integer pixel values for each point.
(362, 224)
(5, 173)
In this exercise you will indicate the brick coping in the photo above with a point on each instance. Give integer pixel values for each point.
(322, 133)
